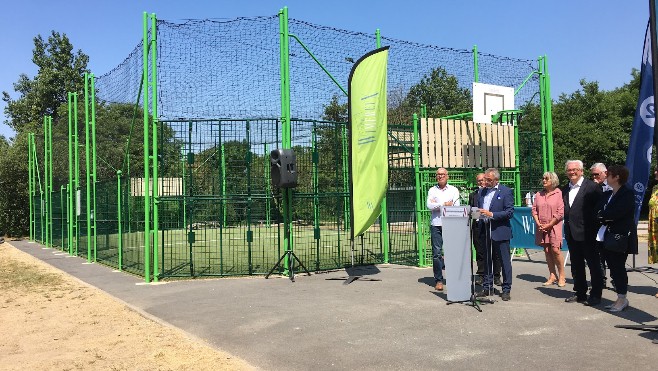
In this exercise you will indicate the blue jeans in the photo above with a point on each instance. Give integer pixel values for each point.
(437, 252)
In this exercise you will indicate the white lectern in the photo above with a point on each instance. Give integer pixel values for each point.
(457, 251)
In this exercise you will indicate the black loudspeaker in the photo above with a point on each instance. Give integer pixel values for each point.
(283, 167)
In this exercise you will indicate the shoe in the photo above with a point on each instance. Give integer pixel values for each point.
(482, 293)
(619, 307)
(561, 283)
(497, 281)
(439, 286)
(592, 301)
(505, 296)
(575, 299)
(478, 280)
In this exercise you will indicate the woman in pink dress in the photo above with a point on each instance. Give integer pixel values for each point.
(548, 212)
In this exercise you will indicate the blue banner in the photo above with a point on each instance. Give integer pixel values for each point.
(638, 158)
(523, 230)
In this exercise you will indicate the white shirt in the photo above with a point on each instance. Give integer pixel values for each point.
(573, 190)
(606, 187)
(437, 197)
(486, 203)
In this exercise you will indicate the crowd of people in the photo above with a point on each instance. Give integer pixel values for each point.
(596, 217)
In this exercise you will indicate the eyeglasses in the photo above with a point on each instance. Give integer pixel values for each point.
(546, 178)
(438, 175)
(573, 170)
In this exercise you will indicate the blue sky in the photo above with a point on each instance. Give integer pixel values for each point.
(598, 40)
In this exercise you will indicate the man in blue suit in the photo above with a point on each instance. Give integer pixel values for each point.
(497, 206)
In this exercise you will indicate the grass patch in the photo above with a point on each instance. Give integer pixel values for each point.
(17, 275)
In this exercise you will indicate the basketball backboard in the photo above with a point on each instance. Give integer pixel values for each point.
(489, 100)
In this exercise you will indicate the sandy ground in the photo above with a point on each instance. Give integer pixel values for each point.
(52, 321)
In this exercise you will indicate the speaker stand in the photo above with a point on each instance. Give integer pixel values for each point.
(290, 255)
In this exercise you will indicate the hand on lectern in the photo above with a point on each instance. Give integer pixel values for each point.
(475, 213)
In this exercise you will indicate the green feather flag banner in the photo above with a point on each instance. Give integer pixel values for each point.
(368, 138)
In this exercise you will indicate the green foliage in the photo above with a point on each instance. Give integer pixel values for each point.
(439, 91)
(59, 71)
(14, 201)
(335, 111)
(594, 125)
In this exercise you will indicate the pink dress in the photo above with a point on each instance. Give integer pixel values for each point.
(547, 207)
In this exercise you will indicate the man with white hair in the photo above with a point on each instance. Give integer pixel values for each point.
(581, 197)
(599, 174)
(442, 194)
(496, 205)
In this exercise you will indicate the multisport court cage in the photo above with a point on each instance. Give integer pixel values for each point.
(180, 184)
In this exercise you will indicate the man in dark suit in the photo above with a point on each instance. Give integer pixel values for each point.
(477, 241)
(497, 206)
(581, 197)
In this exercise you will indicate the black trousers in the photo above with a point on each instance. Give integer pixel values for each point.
(585, 253)
(617, 264)
(480, 254)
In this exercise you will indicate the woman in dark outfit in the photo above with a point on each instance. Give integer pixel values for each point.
(616, 213)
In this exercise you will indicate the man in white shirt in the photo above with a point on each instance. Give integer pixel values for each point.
(581, 197)
(442, 194)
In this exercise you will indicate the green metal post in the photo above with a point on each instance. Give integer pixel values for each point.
(63, 206)
(542, 107)
(345, 155)
(147, 192)
(71, 170)
(88, 167)
(68, 218)
(517, 170)
(94, 180)
(120, 232)
(190, 188)
(421, 228)
(476, 72)
(50, 174)
(250, 238)
(154, 113)
(384, 206)
(30, 185)
(285, 125)
(549, 117)
(45, 178)
(76, 189)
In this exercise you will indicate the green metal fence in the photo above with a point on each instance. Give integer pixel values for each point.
(185, 189)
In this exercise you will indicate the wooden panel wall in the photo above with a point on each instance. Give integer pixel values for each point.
(465, 144)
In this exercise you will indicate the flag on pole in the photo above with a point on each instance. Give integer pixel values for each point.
(638, 158)
(368, 138)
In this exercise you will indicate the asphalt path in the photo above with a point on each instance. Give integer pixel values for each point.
(397, 322)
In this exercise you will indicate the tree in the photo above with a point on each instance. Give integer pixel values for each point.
(594, 125)
(439, 91)
(14, 201)
(59, 71)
